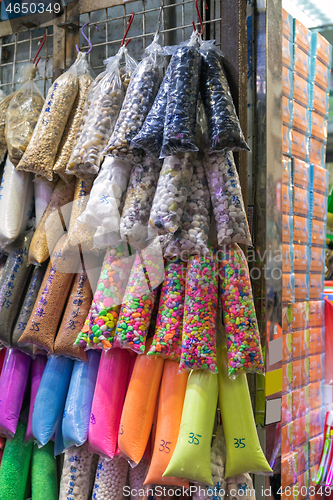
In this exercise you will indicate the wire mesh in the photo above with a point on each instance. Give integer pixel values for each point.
(175, 26)
(18, 50)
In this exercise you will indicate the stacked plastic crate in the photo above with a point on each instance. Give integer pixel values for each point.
(306, 70)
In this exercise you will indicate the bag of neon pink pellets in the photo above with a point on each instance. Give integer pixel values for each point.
(13, 381)
(239, 315)
(108, 402)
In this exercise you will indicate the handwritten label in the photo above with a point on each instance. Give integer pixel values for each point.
(164, 446)
(194, 438)
(239, 443)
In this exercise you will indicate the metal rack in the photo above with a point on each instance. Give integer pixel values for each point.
(18, 50)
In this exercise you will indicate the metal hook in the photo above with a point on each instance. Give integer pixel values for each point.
(199, 16)
(84, 36)
(127, 29)
(41, 43)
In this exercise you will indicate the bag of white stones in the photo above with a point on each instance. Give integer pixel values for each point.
(192, 236)
(106, 102)
(171, 193)
(110, 479)
(139, 99)
(104, 205)
(227, 199)
(77, 474)
(138, 202)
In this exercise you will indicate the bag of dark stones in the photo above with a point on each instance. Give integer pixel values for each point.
(224, 129)
(139, 99)
(182, 96)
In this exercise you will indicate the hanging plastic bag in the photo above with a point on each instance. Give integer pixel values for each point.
(43, 190)
(13, 381)
(108, 402)
(100, 326)
(15, 464)
(170, 408)
(27, 307)
(200, 314)
(183, 90)
(77, 474)
(75, 423)
(150, 137)
(3, 259)
(136, 477)
(227, 199)
(37, 370)
(130, 372)
(51, 397)
(103, 112)
(80, 233)
(127, 70)
(12, 286)
(139, 199)
(139, 406)
(217, 461)
(76, 311)
(191, 458)
(53, 223)
(4, 104)
(68, 139)
(44, 480)
(138, 303)
(103, 208)
(22, 114)
(167, 340)
(171, 193)
(223, 125)
(239, 315)
(16, 203)
(192, 238)
(42, 149)
(49, 306)
(234, 399)
(240, 487)
(139, 99)
(110, 479)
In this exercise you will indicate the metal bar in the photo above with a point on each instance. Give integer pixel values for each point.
(163, 24)
(233, 36)
(14, 63)
(59, 46)
(45, 62)
(150, 34)
(72, 36)
(143, 25)
(267, 164)
(106, 33)
(183, 20)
